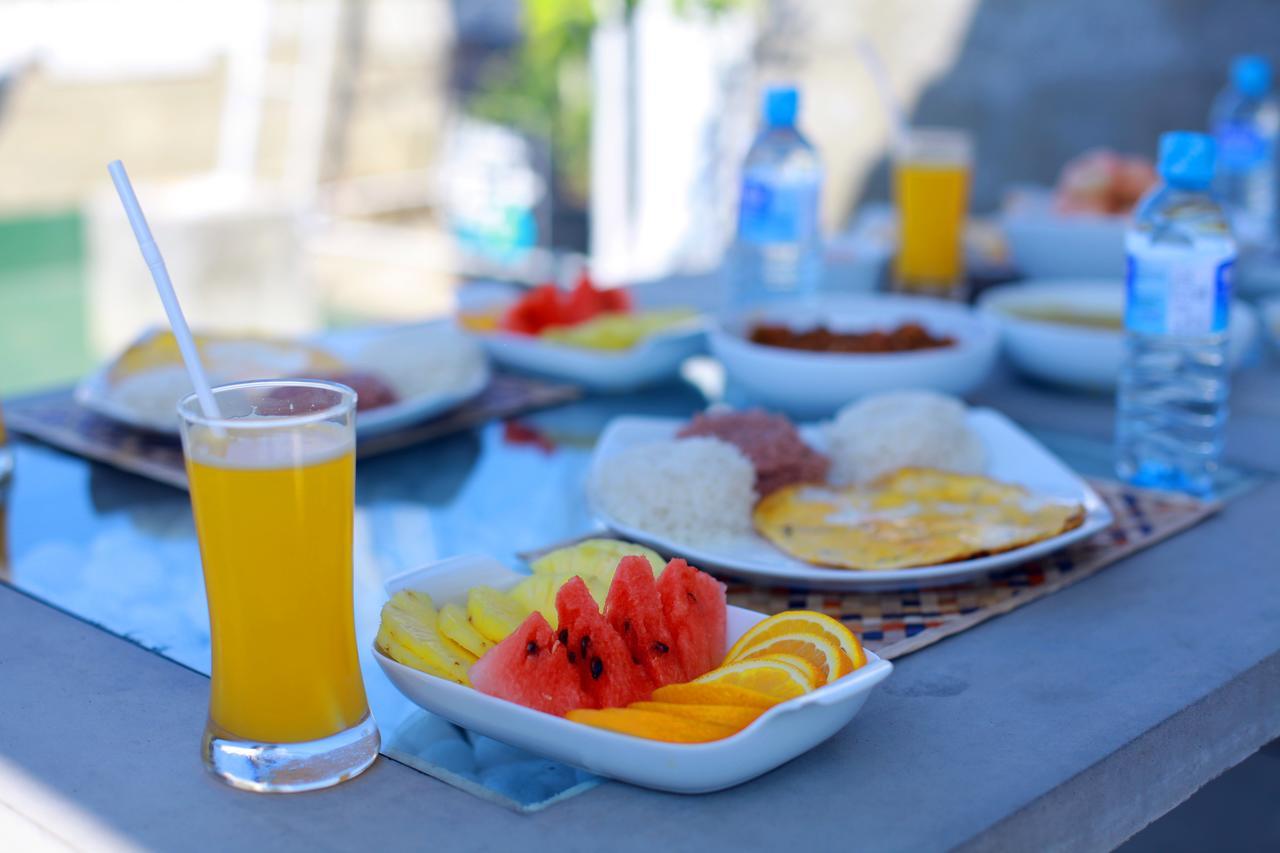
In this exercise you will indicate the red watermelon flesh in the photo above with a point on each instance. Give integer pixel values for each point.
(530, 668)
(606, 672)
(634, 610)
(694, 604)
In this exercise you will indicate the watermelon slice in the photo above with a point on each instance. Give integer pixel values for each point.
(694, 605)
(634, 610)
(606, 672)
(530, 668)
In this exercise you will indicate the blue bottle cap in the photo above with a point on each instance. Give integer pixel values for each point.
(1251, 75)
(780, 106)
(1186, 159)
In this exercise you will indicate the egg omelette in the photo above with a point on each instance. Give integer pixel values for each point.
(910, 517)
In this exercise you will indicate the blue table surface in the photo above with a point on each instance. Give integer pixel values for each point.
(968, 737)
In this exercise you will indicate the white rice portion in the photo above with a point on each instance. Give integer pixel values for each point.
(689, 490)
(885, 432)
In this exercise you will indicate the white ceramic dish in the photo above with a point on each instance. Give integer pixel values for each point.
(1080, 356)
(1047, 244)
(815, 384)
(1013, 456)
(779, 735)
(418, 401)
(654, 359)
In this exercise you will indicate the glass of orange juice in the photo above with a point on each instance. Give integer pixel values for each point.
(931, 189)
(273, 494)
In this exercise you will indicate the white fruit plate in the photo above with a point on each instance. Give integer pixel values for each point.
(654, 359)
(1013, 456)
(777, 736)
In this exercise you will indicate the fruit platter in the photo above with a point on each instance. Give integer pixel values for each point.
(900, 490)
(612, 660)
(401, 374)
(591, 336)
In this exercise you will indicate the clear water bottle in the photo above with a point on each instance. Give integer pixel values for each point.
(1172, 397)
(778, 248)
(1245, 121)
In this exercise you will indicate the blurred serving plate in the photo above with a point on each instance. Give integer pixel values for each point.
(1071, 331)
(1013, 456)
(777, 736)
(654, 359)
(431, 367)
(816, 384)
(1047, 243)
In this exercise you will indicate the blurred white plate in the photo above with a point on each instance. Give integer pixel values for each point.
(1081, 356)
(777, 736)
(654, 359)
(1013, 456)
(816, 384)
(403, 355)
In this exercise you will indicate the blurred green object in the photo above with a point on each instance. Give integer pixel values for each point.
(43, 329)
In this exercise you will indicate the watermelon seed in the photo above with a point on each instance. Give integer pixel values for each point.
(531, 649)
(626, 626)
(586, 641)
(572, 657)
(597, 668)
(564, 636)
(692, 597)
(661, 648)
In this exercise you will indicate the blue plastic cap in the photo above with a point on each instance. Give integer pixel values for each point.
(1186, 159)
(780, 106)
(1251, 75)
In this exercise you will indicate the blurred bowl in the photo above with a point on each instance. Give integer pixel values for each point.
(1045, 243)
(1076, 353)
(816, 384)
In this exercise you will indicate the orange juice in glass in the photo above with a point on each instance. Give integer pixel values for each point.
(931, 191)
(273, 493)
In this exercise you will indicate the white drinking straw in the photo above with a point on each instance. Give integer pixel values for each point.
(160, 274)
(880, 78)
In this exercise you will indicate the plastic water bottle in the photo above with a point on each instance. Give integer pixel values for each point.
(1245, 121)
(778, 249)
(1172, 397)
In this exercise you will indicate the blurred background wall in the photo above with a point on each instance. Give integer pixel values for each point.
(345, 161)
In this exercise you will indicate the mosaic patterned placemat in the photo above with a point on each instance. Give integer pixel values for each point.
(896, 623)
(55, 418)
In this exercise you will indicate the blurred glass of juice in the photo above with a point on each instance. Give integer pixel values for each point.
(931, 169)
(273, 493)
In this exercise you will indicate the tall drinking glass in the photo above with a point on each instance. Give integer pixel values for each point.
(931, 188)
(273, 490)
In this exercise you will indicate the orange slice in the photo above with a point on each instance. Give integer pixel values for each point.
(805, 622)
(649, 724)
(817, 649)
(773, 677)
(734, 716)
(714, 694)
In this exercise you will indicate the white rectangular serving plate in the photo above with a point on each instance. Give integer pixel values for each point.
(777, 736)
(1013, 456)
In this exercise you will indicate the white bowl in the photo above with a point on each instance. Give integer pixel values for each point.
(816, 384)
(1047, 244)
(1080, 356)
(777, 736)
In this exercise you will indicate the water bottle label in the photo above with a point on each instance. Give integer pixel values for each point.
(1171, 291)
(1241, 148)
(777, 212)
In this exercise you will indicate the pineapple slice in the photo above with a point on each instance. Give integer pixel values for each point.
(453, 625)
(409, 634)
(494, 614)
(593, 557)
(538, 592)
